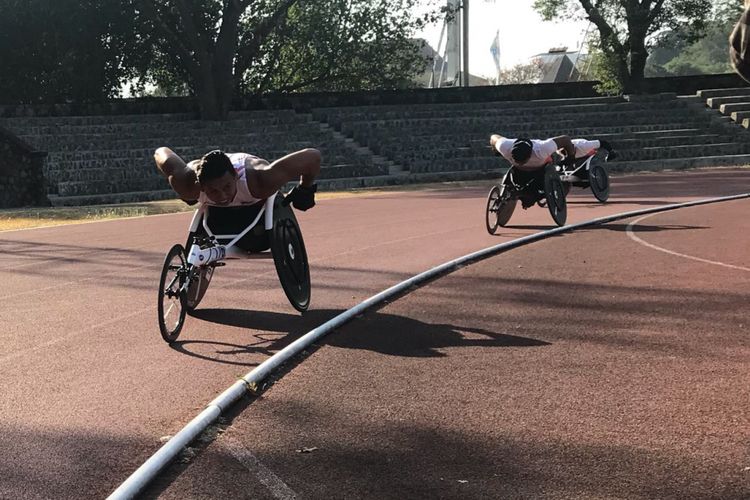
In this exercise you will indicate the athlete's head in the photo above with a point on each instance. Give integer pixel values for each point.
(217, 177)
(521, 151)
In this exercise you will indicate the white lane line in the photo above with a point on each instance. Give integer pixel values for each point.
(632, 236)
(278, 488)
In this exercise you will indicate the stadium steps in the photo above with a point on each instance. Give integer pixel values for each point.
(109, 159)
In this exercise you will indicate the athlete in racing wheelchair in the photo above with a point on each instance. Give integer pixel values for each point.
(531, 178)
(241, 211)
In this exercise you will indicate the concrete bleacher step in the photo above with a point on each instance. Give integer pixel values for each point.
(736, 91)
(679, 163)
(729, 109)
(716, 102)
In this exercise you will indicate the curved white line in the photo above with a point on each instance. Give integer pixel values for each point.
(632, 236)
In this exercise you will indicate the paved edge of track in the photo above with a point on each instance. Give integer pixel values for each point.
(251, 381)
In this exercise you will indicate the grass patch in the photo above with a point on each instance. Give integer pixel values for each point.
(25, 218)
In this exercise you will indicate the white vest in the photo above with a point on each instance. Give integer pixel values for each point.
(243, 196)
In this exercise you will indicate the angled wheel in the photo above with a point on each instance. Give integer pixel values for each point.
(554, 192)
(172, 296)
(599, 182)
(200, 279)
(493, 200)
(198, 286)
(290, 257)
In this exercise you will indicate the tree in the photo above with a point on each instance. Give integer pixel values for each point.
(627, 28)
(64, 50)
(530, 72)
(221, 47)
(677, 53)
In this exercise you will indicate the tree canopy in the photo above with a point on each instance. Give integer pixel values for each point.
(219, 48)
(85, 50)
(64, 50)
(627, 29)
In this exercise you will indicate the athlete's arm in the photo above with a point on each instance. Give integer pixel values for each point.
(563, 142)
(181, 177)
(303, 165)
(494, 139)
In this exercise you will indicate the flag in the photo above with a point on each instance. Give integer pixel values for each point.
(495, 50)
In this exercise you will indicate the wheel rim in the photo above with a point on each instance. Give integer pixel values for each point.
(556, 201)
(599, 183)
(171, 304)
(291, 263)
(493, 200)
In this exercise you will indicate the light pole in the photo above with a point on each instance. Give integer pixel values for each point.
(465, 23)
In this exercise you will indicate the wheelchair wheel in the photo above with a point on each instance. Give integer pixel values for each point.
(554, 192)
(290, 257)
(500, 207)
(197, 288)
(599, 180)
(172, 298)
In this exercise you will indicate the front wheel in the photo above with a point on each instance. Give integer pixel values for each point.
(554, 192)
(172, 296)
(599, 182)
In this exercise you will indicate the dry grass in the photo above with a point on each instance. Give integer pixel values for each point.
(25, 218)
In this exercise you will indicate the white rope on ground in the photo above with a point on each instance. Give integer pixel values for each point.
(251, 381)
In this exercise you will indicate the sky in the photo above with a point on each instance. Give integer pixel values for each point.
(523, 34)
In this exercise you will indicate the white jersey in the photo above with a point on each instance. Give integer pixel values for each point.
(243, 196)
(541, 152)
(585, 147)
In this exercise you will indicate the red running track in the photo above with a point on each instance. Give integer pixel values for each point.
(585, 366)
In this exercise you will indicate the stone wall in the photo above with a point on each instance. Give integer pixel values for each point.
(21, 173)
(306, 101)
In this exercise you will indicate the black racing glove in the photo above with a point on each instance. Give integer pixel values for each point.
(301, 197)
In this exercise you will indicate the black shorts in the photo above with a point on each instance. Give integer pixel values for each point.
(234, 220)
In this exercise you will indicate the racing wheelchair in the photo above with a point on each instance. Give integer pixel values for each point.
(586, 173)
(543, 187)
(188, 269)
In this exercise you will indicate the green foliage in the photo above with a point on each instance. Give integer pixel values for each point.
(680, 53)
(628, 31)
(63, 50)
(363, 45)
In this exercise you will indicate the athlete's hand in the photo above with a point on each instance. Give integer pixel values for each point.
(301, 197)
(569, 161)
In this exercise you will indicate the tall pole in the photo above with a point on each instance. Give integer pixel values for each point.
(465, 17)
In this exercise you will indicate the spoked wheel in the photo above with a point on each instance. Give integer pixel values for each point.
(554, 192)
(172, 298)
(493, 200)
(290, 258)
(599, 182)
(500, 208)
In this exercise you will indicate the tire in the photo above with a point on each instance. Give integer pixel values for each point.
(493, 199)
(171, 302)
(599, 180)
(290, 257)
(566, 188)
(197, 288)
(554, 192)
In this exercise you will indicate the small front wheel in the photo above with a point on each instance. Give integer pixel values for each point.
(172, 296)
(493, 200)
